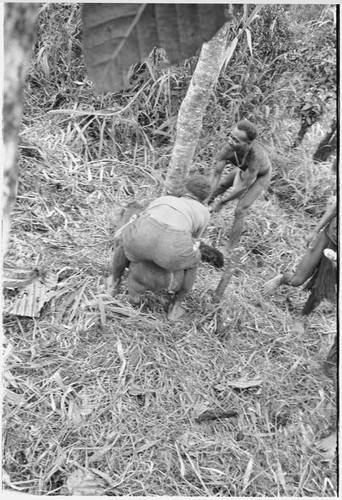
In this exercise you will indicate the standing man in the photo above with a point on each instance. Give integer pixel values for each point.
(249, 179)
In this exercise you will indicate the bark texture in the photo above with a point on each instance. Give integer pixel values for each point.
(19, 22)
(190, 116)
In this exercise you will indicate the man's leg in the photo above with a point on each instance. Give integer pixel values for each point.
(120, 262)
(225, 184)
(175, 308)
(242, 207)
(305, 268)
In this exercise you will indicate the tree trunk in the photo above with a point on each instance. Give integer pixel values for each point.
(327, 146)
(19, 21)
(190, 117)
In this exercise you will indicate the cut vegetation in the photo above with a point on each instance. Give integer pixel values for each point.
(102, 398)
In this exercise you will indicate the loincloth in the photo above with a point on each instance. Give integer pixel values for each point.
(264, 179)
(238, 179)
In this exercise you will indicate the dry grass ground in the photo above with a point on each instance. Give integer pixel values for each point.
(102, 398)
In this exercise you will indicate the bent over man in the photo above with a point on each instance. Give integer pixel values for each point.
(165, 234)
(248, 180)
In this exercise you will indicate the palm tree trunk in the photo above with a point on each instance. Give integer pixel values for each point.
(190, 117)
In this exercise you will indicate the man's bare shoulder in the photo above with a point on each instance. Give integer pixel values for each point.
(259, 155)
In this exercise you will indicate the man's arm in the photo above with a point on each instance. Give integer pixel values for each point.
(249, 178)
(217, 170)
(330, 212)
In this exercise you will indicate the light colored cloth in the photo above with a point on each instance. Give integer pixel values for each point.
(147, 239)
(197, 216)
(238, 179)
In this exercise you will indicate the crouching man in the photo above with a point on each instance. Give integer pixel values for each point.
(164, 239)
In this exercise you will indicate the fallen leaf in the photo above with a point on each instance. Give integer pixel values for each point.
(32, 298)
(328, 446)
(85, 403)
(84, 483)
(74, 414)
(243, 383)
(134, 357)
(215, 415)
(247, 474)
(14, 277)
(13, 397)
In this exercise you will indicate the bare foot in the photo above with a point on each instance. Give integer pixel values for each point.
(327, 446)
(272, 284)
(176, 311)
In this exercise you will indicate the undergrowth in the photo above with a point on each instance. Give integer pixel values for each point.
(107, 397)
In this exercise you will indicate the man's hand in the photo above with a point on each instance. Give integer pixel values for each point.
(209, 201)
(331, 255)
(216, 206)
(311, 239)
(196, 245)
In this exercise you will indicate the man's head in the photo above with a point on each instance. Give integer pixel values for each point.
(199, 186)
(241, 136)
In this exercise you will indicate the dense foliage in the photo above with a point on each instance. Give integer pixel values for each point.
(293, 65)
(292, 73)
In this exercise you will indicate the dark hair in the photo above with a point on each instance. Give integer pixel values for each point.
(249, 128)
(199, 186)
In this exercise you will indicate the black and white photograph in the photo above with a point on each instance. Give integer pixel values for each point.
(169, 249)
